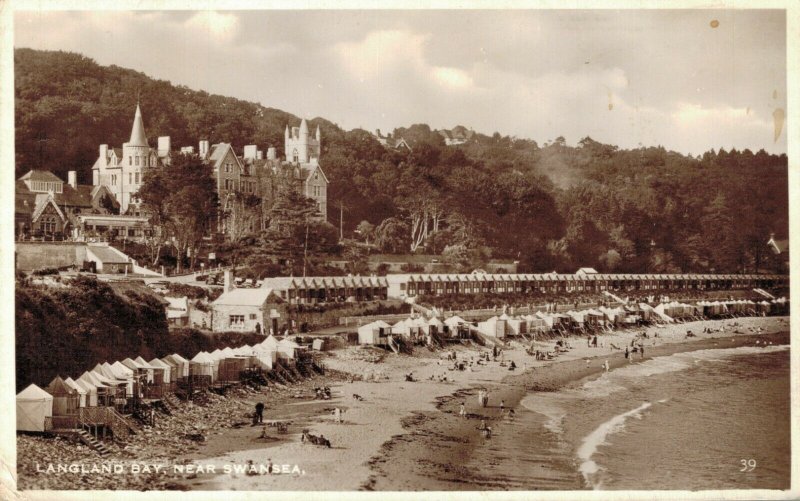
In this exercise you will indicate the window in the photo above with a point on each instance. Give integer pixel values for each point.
(252, 316)
(137, 178)
(113, 179)
(137, 160)
(227, 167)
(295, 156)
(130, 177)
(316, 175)
(235, 319)
(130, 160)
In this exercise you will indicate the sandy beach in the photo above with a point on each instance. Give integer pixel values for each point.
(395, 418)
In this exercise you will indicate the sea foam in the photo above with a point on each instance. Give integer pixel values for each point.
(590, 469)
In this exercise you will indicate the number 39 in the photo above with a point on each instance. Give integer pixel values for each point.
(748, 465)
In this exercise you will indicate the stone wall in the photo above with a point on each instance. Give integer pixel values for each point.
(37, 255)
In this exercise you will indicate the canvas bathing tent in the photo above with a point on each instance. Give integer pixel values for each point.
(202, 365)
(34, 409)
(374, 333)
(181, 363)
(65, 403)
(91, 391)
(82, 394)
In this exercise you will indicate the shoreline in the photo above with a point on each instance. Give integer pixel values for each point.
(397, 418)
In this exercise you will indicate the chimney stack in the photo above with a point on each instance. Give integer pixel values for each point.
(250, 152)
(203, 148)
(164, 146)
(228, 284)
(271, 155)
(104, 155)
(72, 179)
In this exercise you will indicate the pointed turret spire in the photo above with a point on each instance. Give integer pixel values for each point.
(138, 137)
(286, 133)
(303, 128)
(318, 134)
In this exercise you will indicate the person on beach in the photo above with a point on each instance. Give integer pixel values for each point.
(337, 415)
(605, 365)
(502, 406)
(462, 411)
(641, 349)
(258, 417)
(627, 353)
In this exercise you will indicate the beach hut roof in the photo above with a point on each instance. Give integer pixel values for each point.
(287, 343)
(58, 387)
(132, 364)
(178, 358)
(202, 358)
(270, 342)
(86, 384)
(142, 362)
(435, 321)
(34, 393)
(75, 386)
(160, 364)
(120, 367)
(454, 321)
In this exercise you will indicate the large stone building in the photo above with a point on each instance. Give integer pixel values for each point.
(47, 207)
(121, 171)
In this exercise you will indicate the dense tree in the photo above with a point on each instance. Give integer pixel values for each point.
(182, 200)
(550, 207)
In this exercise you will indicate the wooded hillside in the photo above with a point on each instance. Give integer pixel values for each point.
(552, 206)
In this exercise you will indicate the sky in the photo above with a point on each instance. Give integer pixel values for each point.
(689, 80)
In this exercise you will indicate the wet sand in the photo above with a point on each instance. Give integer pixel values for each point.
(408, 435)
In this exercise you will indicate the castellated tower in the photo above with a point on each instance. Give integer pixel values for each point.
(300, 146)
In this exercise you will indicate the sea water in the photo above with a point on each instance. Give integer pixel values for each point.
(706, 419)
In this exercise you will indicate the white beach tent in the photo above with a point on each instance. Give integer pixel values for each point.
(202, 365)
(106, 373)
(91, 391)
(421, 324)
(216, 356)
(454, 321)
(182, 363)
(266, 358)
(151, 369)
(160, 364)
(287, 349)
(137, 368)
(34, 406)
(124, 373)
(435, 324)
(493, 326)
(270, 343)
(402, 328)
(245, 350)
(370, 333)
(82, 395)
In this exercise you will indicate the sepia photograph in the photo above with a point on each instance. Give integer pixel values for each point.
(458, 249)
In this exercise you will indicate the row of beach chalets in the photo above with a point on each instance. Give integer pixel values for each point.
(431, 327)
(113, 399)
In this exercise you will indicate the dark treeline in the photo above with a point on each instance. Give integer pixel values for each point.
(551, 206)
(65, 331)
